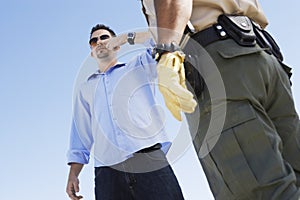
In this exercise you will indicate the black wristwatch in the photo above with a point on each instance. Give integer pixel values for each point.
(131, 37)
(160, 49)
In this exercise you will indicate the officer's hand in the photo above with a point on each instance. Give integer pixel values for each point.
(171, 80)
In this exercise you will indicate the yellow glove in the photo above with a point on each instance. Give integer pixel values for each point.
(171, 80)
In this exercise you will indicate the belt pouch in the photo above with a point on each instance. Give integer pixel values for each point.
(239, 28)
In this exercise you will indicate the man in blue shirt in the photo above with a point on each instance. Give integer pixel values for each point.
(117, 118)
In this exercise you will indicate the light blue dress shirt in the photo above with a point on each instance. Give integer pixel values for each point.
(116, 114)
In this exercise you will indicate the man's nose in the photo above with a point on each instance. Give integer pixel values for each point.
(101, 42)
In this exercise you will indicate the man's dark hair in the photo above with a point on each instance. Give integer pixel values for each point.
(102, 26)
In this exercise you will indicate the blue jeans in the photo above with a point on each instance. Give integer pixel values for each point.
(127, 181)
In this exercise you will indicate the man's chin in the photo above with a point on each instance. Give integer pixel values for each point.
(102, 55)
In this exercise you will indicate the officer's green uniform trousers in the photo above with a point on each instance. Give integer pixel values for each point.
(257, 154)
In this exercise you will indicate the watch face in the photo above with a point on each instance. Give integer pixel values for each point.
(130, 35)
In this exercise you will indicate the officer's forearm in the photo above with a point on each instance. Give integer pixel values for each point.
(172, 17)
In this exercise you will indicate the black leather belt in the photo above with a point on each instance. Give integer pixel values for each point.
(150, 149)
(210, 35)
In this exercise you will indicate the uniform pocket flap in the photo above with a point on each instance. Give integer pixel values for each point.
(233, 50)
(237, 113)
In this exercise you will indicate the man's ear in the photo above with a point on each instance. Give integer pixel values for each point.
(91, 54)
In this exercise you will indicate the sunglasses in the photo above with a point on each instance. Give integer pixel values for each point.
(93, 41)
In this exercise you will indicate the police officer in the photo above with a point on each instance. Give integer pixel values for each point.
(248, 132)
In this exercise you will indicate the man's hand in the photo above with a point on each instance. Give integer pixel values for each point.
(73, 181)
(114, 43)
(171, 80)
(73, 188)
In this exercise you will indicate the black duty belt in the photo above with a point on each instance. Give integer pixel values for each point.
(209, 35)
(150, 149)
(239, 28)
(242, 30)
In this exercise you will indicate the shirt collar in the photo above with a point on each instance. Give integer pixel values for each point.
(112, 68)
(95, 74)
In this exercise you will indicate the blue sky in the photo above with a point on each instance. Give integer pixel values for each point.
(43, 46)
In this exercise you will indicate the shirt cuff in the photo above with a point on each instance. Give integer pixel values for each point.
(76, 156)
